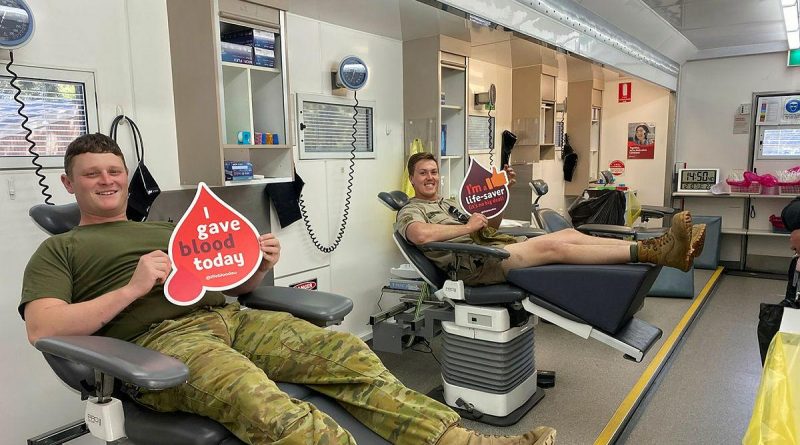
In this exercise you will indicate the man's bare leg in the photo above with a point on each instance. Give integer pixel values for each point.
(572, 236)
(543, 250)
(677, 248)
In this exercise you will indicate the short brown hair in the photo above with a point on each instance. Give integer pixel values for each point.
(90, 143)
(416, 157)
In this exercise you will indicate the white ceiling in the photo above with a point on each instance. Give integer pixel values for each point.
(712, 24)
(680, 29)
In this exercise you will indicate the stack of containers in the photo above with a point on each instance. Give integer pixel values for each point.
(260, 44)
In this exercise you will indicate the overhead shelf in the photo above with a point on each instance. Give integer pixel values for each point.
(247, 66)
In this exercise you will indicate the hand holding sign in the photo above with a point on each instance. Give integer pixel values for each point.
(213, 247)
(483, 191)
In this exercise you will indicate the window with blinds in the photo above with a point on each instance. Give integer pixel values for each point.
(478, 133)
(60, 107)
(326, 127)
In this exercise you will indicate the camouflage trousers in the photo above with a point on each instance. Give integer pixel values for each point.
(236, 356)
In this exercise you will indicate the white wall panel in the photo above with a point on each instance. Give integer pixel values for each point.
(89, 35)
(360, 265)
(648, 103)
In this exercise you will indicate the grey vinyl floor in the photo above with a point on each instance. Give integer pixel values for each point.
(704, 394)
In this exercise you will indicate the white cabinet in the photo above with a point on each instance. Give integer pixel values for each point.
(435, 103)
(748, 242)
(216, 100)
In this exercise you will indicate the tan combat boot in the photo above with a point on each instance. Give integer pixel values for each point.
(458, 435)
(676, 248)
(698, 238)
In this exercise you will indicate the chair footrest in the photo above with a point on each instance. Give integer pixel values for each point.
(635, 339)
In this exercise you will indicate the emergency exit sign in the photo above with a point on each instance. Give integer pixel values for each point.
(794, 57)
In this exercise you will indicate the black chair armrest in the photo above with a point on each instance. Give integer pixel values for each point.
(315, 306)
(609, 229)
(472, 249)
(529, 232)
(125, 361)
(657, 210)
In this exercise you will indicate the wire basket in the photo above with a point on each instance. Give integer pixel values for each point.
(754, 188)
(789, 189)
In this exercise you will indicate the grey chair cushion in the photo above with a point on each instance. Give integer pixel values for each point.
(146, 427)
(673, 283)
(605, 296)
(709, 259)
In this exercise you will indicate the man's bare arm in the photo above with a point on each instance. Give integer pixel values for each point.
(419, 232)
(46, 317)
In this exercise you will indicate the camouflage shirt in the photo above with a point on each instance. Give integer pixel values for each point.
(474, 270)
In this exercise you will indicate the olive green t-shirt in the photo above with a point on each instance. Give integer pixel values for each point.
(89, 261)
(474, 270)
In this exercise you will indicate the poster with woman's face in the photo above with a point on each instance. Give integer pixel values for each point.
(641, 140)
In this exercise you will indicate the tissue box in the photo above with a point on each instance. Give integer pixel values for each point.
(264, 57)
(238, 170)
(251, 37)
(231, 52)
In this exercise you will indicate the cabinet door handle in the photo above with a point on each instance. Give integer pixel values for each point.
(752, 211)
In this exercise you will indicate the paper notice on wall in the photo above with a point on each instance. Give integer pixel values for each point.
(769, 110)
(741, 119)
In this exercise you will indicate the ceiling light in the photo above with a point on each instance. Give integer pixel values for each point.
(794, 39)
(790, 17)
(785, 3)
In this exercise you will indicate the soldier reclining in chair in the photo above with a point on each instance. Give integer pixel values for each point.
(105, 277)
(429, 218)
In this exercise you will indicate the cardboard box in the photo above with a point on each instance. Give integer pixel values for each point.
(264, 57)
(251, 37)
(231, 52)
(238, 170)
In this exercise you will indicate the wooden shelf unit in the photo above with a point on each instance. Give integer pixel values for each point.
(215, 100)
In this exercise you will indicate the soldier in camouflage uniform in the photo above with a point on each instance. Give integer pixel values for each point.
(105, 277)
(429, 218)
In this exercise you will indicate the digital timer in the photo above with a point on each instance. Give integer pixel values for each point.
(697, 179)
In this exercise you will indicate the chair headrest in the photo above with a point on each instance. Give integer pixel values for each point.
(539, 187)
(553, 221)
(395, 200)
(56, 219)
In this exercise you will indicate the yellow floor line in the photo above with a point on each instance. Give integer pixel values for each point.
(614, 426)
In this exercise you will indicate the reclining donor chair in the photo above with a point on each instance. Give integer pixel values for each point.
(488, 369)
(92, 365)
(551, 221)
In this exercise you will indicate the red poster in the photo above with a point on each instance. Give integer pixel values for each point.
(641, 140)
(641, 151)
(213, 247)
(483, 191)
(624, 93)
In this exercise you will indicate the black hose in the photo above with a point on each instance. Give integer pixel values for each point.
(347, 195)
(35, 160)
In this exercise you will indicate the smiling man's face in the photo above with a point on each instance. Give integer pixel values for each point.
(425, 179)
(99, 182)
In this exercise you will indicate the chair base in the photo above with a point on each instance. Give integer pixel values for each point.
(511, 419)
(61, 435)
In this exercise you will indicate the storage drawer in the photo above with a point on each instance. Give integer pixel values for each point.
(249, 12)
